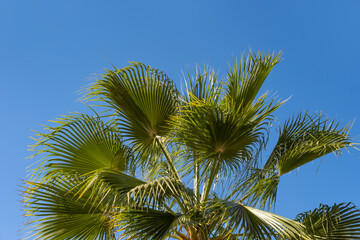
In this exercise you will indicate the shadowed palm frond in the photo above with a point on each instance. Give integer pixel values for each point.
(58, 214)
(341, 221)
(145, 224)
(257, 189)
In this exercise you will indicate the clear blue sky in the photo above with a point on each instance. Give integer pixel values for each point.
(50, 49)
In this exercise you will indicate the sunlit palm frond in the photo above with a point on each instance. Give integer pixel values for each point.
(223, 140)
(305, 138)
(302, 139)
(145, 98)
(56, 213)
(253, 223)
(204, 85)
(228, 134)
(341, 221)
(160, 192)
(111, 187)
(245, 79)
(212, 133)
(94, 151)
(82, 145)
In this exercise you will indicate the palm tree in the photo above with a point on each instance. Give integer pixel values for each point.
(157, 163)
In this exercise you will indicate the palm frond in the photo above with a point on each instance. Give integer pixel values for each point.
(224, 141)
(145, 99)
(253, 223)
(305, 138)
(340, 221)
(204, 85)
(159, 192)
(245, 79)
(58, 214)
(258, 188)
(121, 173)
(145, 224)
(111, 187)
(84, 144)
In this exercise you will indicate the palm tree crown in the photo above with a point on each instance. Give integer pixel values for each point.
(159, 163)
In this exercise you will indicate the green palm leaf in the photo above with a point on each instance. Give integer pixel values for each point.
(92, 149)
(145, 99)
(237, 218)
(57, 214)
(306, 138)
(145, 224)
(160, 193)
(245, 79)
(341, 221)
(302, 139)
(223, 140)
(204, 85)
(84, 144)
(257, 189)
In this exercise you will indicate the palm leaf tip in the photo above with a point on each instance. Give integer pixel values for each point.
(246, 78)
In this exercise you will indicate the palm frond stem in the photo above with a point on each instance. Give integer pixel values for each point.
(213, 172)
(168, 157)
(196, 178)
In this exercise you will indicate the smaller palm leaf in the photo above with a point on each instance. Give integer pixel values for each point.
(340, 221)
(58, 214)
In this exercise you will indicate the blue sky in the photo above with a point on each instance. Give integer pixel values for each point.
(50, 49)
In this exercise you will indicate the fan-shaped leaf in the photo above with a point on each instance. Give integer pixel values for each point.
(306, 138)
(84, 144)
(254, 223)
(145, 224)
(145, 99)
(341, 221)
(58, 214)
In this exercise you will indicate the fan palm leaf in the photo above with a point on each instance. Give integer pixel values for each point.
(57, 214)
(237, 218)
(305, 138)
(340, 221)
(302, 139)
(83, 144)
(245, 79)
(145, 224)
(144, 98)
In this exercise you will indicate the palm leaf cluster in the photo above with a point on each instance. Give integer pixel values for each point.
(158, 163)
